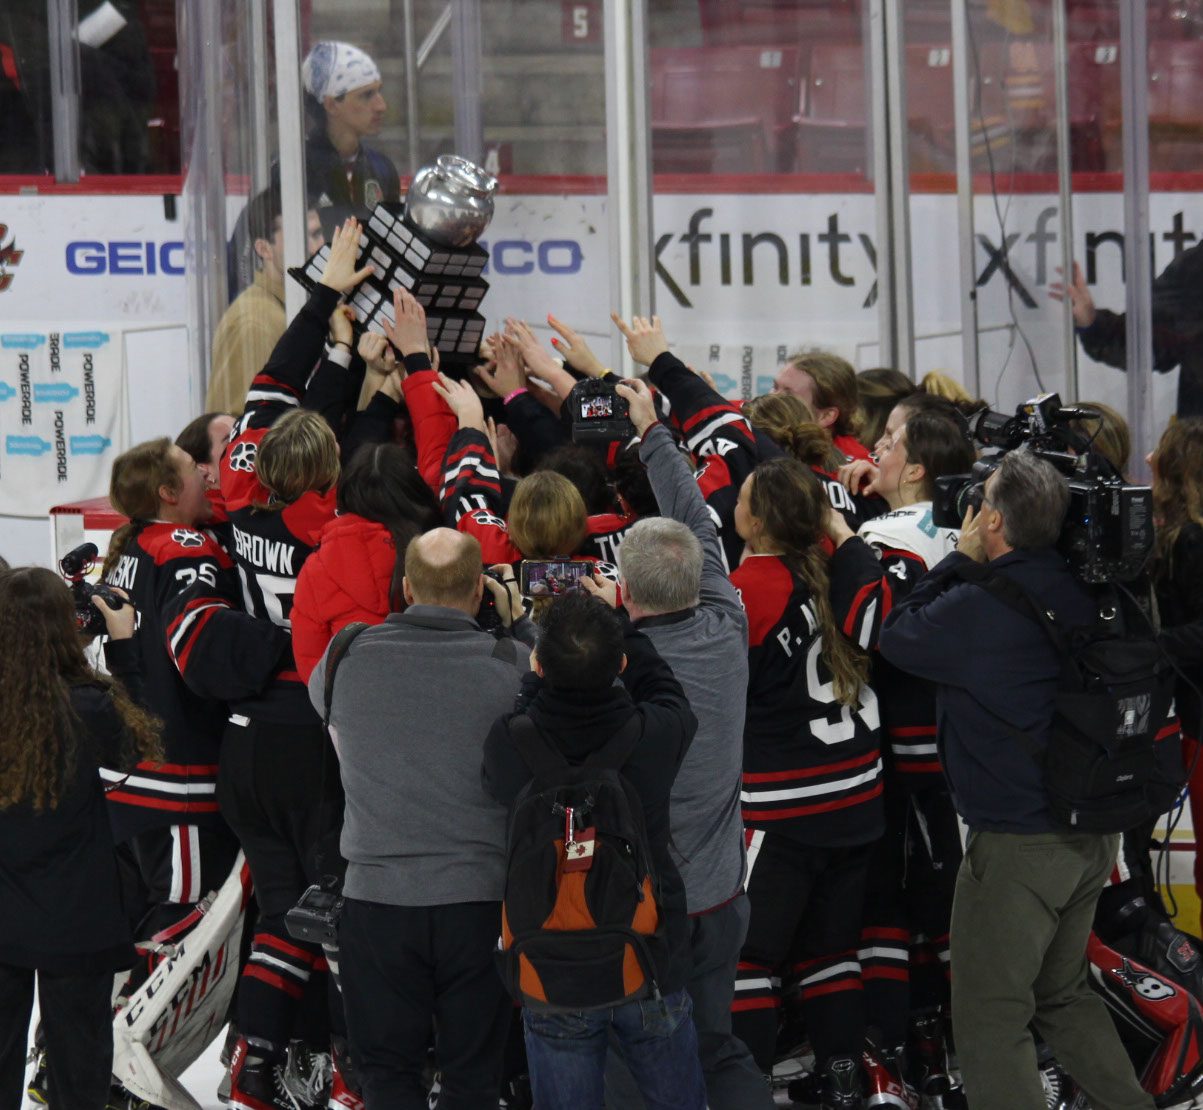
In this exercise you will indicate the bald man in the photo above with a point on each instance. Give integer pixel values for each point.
(425, 846)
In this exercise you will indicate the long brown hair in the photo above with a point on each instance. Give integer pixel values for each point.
(134, 485)
(788, 421)
(835, 386)
(41, 658)
(1177, 483)
(791, 504)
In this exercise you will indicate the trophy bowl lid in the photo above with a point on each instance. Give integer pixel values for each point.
(467, 175)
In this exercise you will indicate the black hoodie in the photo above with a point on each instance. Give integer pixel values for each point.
(580, 722)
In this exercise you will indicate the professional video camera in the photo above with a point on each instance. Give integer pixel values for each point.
(1108, 530)
(89, 621)
(596, 413)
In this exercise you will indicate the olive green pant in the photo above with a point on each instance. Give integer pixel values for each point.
(1021, 916)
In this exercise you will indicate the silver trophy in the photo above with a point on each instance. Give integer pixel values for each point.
(428, 246)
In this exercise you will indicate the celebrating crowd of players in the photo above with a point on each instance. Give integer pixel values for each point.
(259, 535)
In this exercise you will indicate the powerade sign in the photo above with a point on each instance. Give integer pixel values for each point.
(91, 257)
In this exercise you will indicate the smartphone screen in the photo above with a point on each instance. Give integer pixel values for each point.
(553, 577)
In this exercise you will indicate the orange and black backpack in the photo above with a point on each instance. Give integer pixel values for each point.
(582, 926)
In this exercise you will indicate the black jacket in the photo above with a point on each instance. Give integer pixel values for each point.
(58, 874)
(1177, 296)
(1180, 600)
(581, 723)
(996, 672)
(373, 178)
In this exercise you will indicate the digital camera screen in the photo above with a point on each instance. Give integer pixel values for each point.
(552, 578)
(597, 407)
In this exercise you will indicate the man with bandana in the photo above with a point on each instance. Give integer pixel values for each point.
(345, 102)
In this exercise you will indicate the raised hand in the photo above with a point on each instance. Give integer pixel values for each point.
(538, 360)
(408, 334)
(341, 320)
(645, 338)
(377, 354)
(506, 373)
(640, 403)
(577, 353)
(1078, 292)
(340, 272)
(461, 398)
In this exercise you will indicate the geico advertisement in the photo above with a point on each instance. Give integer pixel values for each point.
(740, 278)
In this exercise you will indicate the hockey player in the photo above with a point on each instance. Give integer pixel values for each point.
(812, 804)
(165, 816)
(274, 787)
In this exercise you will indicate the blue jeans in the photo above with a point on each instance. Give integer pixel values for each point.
(566, 1053)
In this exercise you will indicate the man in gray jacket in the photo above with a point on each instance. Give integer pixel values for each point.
(676, 591)
(413, 701)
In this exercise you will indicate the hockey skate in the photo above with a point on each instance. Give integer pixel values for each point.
(843, 1088)
(259, 1083)
(884, 1082)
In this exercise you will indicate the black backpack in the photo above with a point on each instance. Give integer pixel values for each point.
(582, 922)
(1113, 758)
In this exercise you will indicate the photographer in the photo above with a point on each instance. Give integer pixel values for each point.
(63, 922)
(424, 844)
(677, 593)
(1027, 887)
(572, 702)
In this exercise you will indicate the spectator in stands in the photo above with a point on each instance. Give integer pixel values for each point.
(1027, 886)
(425, 846)
(63, 922)
(573, 700)
(254, 322)
(1177, 465)
(676, 591)
(345, 105)
(356, 572)
(827, 383)
(877, 392)
(1177, 325)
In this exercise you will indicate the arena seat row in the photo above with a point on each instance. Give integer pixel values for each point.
(795, 108)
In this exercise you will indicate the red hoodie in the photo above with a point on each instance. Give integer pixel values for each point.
(346, 579)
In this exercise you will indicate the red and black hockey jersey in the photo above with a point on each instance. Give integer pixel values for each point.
(907, 544)
(812, 766)
(157, 565)
(269, 546)
(728, 449)
(719, 437)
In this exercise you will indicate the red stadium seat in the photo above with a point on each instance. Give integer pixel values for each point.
(719, 109)
(832, 133)
(739, 22)
(1176, 105)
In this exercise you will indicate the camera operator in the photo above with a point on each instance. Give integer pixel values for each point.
(1027, 887)
(62, 921)
(676, 591)
(424, 844)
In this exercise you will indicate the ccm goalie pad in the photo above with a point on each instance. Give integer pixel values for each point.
(164, 1026)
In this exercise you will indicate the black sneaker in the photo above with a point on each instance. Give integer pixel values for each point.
(842, 1088)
